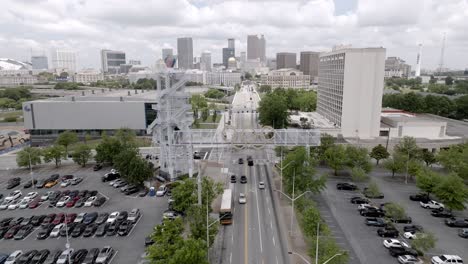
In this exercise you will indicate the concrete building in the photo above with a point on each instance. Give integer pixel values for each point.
(396, 67)
(350, 87)
(205, 61)
(232, 44)
(226, 78)
(256, 48)
(286, 78)
(88, 76)
(309, 64)
(111, 61)
(134, 62)
(285, 60)
(125, 68)
(271, 63)
(63, 60)
(227, 53)
(185, 53)
(15, 80)
(243, 57)
(195, 75)
(40, 62)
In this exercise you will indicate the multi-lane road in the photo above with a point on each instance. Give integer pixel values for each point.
(254, 235)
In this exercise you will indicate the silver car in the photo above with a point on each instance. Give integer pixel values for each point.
(105, 255)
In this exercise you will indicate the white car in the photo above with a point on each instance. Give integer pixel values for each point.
(161, 190)
(408, 259)
(261, 185)
(105, 255)
(56, 231)
(64, 200)
(14, 205)
(31, 195)
(5, 204)
(13, 195)
(365, 206)
(446, 259)
(24, 203)
(65, 183)
(13, 257)
(90, 201)
(388, 243)
(111, 183)
(242, 198)
(79, 218)
(112, 217)
(411, 235)
(432, 205)
(117, 182)
(65, 256)
(46, 195)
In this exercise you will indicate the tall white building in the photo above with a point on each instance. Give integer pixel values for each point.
(350, 87)
(111, 61)
(65, 60)
(185, 53)
(205, 61)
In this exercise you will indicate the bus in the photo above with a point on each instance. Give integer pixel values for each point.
(225, 212)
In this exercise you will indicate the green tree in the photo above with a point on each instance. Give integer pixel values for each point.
(373, 189)
(184, 195)
(214, 94)
(198, 102)
(336, 158)
(394, 211)
(379, 152)
(54, 153)
(205, 114)
(327, 249)
(453, 192)
(408, 147)
(197, 222)
(66, 139)
(414, 167)
(427, 180)
(358, 157)
(449, 80)
(139, 171)
(214, 117)
(273, 111)
(82, 154)
(428, 157)
(424, 242)
(455, 159)
(191, 251)
(359, 175)
(107, 149)
(167, 240)
(28, 157)
(126, 136)
(123, 160)
(326, 141)
(395, 164)
(461, 111)
(247, 76)
(264, 88)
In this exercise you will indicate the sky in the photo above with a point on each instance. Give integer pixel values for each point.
(142, 28)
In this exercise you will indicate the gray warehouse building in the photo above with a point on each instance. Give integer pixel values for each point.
(93, 113)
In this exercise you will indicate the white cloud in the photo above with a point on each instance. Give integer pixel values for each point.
(143, 27)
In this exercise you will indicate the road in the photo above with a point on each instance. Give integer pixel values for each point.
(253, 237)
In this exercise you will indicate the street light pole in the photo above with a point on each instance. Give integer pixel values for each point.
(31, 170)
(406, 175)
(317, 243)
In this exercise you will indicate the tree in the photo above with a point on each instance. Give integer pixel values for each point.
(408, 147)
(453, 192)
(167, 239)
(424, 242)
(455, 159)
(448, 80)
(335, 158)
(394, 211)
(359, 175)
(214, 93)
(197, 222)
(248, 76)
(215, 116)
(273, 111)
(373, 189)
(126, 136)
(395, 164)
(54, 153)
(107, 149)
(82, 154)
(358, 157)
(63, 75)
(205, 114)
(461, 107)
(184, 195)
(414, 167)
(326, 141)
(139, 171)
(379, 152)
(264, 88)
(198, 102)
(428, 157)
(123, 161)
(191, 251)
(28, 157)
(427, 180)
(66, 139)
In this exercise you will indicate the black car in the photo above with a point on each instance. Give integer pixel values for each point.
(101, 218)
(91, 256)
(243, 179)
(411, 228)
(372, 212)
(148, 241)
(78, 230)
(3, 258)
(241, 161)
(113, 228)
(53, 256)
(29, 184)
(122, 216)
(403, 220)
(441, 213)
(5, 222)
(12, 185)
(99, 201)
(3, 231)
(90, 218)
(456, 222)
(399, 251)
(372, 195)
(53, 177)
(73, 193)
(44, 231)
(125, 228)
(40, 257)
(233, 179)
(250, 161)
(135, 189)
(374, 221)
(420, 197)
(40, 183)
(463, 232)
(97, 167)
(102, 230)
(388, 232)
(69, 229)
(26, 257)
(346, 186)
(24, 232)
(359, 200)
(16, 221)
(90, 230)
(78, 256)
(37, 219)
(92, 193)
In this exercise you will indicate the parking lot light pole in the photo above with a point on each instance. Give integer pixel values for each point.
(31, 170)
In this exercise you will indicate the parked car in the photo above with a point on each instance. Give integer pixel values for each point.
(14, 256)
(78, 230)
(113, 228)
(46, 196)
(456, 222)
(65, 183)
(78, 256)
(79, 218)
(370, 212)
(420, 197)
(15, 204)
(89, 202)
(90, 230)
(135, 189)
(346, 186)
(37, 220)
(446, 259)
(67, 177)
(14, 195)
(56, 230)
(170, 215)
(26, 257)
(102, 218)
(24, 203)
(124, 228)
(53, 257)
(408, 259)
(161, 190)
(66, 254)
(68, 229)
(90, 218)
(105, 255)
(45, 231)
(370, 195)
(97, 167)
(99, 201)
(441, 213)
(134, 215)
(432, 205)
(69, 218)
(410, 228)
(29, 184)
(40, 257)
(76, 181)
(112, 217)
(376, 221)
(63, 201)
(5, 204)
(359, 200)
(80, 203)
(402, 251)
(91, 256)
(3, 258)
(403, 220)
(120, 184)
(51, 184)
(59, 218)
(122, 216)
(24, 232)
(12, 183)
(40, 183)
(112, 175)
(388, 243)
(102, 229)
(48, 219)
(388, 232)
(412, 234)
(463, 233)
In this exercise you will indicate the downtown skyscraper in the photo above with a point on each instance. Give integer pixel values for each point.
(256, 48)
(185, 53)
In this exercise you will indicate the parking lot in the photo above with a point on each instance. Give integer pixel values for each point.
(129, 248)
(366, 244)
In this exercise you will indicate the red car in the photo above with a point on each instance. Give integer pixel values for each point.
(34, 203)
(70, 218)
(72, 202)
(58, 218)
(12, 232)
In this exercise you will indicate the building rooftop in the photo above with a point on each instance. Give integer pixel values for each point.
(106, 96)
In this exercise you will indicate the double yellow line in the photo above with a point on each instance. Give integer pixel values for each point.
(246, 223)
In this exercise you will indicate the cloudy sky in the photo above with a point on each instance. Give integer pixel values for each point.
(142, 27)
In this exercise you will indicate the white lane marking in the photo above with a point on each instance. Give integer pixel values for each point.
(113, 256)
(269, 213)
(133, 227)
(258, 213)
(276, 259)
(204, 157)
(107, 197)
(274, 243)
(230, 258)
(271, 225)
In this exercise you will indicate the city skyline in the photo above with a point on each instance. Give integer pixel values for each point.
(87, 27)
